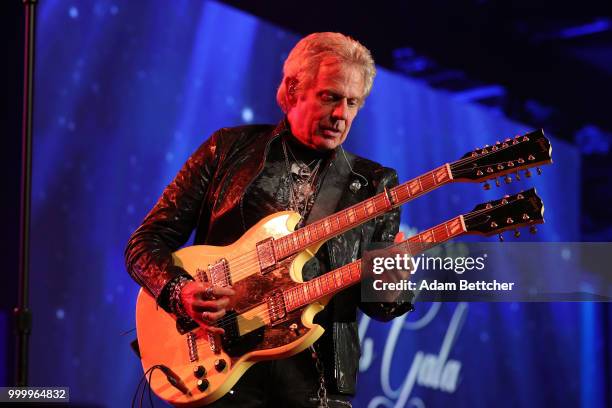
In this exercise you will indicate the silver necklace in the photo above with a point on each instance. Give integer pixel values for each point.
(301, 191)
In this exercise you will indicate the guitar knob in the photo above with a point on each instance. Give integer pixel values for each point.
(527, 173)
(533, 229)
(508, 180)
(486, 185)
(199, 371)
(497, 182)
(501, 238)
(539, 170)
(517, 233)
(220, 364)
(203, 384)
(518, 176)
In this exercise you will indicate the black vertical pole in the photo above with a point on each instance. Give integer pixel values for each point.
(23, 316)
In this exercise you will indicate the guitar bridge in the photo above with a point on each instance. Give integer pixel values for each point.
(276, 307)
(192, 347)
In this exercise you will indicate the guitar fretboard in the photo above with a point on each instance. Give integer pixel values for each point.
(357, 214)
(347, 275)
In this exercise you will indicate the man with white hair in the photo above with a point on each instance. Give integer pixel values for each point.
(242, 174)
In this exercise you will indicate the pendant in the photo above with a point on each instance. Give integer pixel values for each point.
(355, 186)
(300, 170)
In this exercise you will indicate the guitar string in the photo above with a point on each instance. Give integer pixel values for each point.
(245, 260)
(249, 259)
(231, 320)
(453, 167)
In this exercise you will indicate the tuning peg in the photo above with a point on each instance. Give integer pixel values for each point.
(486, 185)
(518, 176)
(489, 169)
(497, 183)
(500, 167)
(510, 164)
(520, 160)
(527, 173)
(533, 229)
(539, 170)
(493, 224)
(525, 139)
(525, 217)
(509, 220)
(517, 233)
(531, 157)
(507, 179)
(501, 238)
(479, 173)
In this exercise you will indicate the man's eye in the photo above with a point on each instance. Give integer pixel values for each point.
(353, 103)
(327, 97)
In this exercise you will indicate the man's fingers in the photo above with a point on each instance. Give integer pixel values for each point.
(210, 305)
(214, 330)
(214, 291)
(214, 316)
(223, 291)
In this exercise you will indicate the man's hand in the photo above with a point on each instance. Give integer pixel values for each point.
(206, 303)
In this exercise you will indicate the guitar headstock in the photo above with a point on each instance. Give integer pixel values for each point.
(511, 212)
(522, 152)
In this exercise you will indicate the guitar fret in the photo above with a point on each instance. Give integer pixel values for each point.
(337, 280)
(308, 234)
(434, 173)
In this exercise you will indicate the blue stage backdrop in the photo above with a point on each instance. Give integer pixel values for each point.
(127, 90)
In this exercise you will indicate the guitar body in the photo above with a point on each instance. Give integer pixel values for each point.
(256, 329)
(262, 265)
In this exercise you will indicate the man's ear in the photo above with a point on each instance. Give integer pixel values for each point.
(291, 86)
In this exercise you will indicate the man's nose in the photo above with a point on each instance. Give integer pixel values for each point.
(340, 111)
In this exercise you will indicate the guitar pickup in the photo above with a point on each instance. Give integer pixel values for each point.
(266, 256)
(276, 307)
(219, 273)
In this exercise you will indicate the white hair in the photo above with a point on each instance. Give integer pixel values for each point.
(302, 65)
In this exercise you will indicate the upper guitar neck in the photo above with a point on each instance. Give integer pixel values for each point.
(357, 214)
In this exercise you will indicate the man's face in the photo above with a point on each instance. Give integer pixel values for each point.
(321, 115)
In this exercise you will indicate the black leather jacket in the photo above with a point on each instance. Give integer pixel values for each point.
(206, 195)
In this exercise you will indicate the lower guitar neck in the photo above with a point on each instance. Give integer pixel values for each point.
(350, 274)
